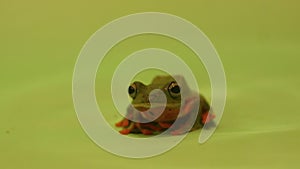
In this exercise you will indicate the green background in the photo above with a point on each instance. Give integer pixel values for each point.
(258, 43)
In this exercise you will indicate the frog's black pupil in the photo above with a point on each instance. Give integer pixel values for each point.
(175, 89)
(131, 90)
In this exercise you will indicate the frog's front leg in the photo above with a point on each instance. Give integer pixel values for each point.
(125, 121)
(142, 128)
(128, 125)
(133, 127)
(128, 129)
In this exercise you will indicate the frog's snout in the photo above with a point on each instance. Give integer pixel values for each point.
(157, 96)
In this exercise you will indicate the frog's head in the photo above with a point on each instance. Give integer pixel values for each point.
(171, 88)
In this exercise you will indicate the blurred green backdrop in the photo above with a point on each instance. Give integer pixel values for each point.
(258, 42)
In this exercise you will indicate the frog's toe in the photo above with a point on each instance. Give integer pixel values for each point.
(146, 132)
(178, 132)
(119, 124)
(125, 131)
(123, 123)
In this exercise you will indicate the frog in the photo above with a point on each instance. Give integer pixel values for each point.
(150, 114)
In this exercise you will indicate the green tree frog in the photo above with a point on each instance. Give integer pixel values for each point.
(151, 113)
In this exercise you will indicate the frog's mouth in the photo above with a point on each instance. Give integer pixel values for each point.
(158, 111)
(147, 106)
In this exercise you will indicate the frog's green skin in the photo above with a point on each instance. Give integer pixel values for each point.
(167, 84)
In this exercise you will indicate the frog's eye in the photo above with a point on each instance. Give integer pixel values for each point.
(174, 89)
(132, 90)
